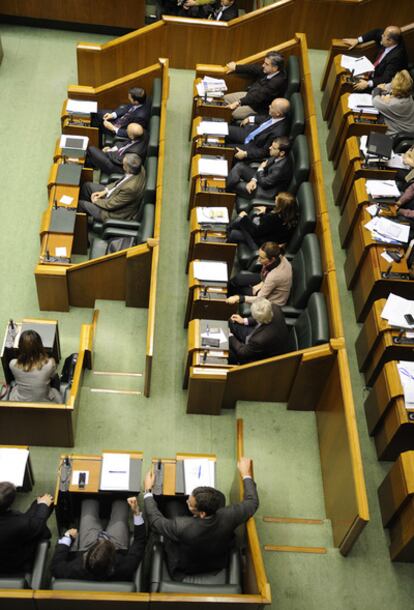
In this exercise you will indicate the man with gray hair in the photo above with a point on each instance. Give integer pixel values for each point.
(263, 335)
(117, 200)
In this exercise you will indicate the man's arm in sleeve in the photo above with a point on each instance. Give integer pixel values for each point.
(244, 352)
(372, 35)
(136, 550)
(245, 509)
(60, 567)
(157, 522)
(252, 70)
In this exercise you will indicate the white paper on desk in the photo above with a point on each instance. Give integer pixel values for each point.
(220, 335)
(213, 128)
(13, 465)
(198, 472)
(81, 106)
(389, 230)
(387, 257)
(212, 215)
(61, 251)
(209, 166)
(115, 471)
(372, 209)
(396, 161)
(382, 188)
(75, 477)
(395, 309)
(361, 102)
(66, 200)
(357, 65)
(214, 84)
(406, 371)
(210, 271)
(81, 141)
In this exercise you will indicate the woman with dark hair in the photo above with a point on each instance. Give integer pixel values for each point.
(33, 371)
(263, 225)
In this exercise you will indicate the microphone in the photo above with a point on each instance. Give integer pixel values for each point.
(400, 335)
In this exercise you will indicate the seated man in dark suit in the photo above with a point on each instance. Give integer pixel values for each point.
(119, 199)
(270, 82)
(110, 158)
(116, 121)
(200, 541)
(252, 141)
(224, 10)
(272, 176)
(21, 532)
(101, 554)
(194, 8)
(263, 335)
(391, 58)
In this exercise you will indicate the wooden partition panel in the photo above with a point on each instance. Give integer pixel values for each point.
(343, 479)
(17, 599)
(92, 600)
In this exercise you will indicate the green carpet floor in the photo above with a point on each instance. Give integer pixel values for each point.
(283, 444)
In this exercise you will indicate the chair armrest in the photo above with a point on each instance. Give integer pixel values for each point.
(269, 203)
(156, 566)
(39, 564)
(138, 578)
(114, 232)
(291, 312)
(130, 225)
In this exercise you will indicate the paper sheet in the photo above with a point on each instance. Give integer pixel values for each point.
(213, 128)
(66, 200)
(221, 336)
(13, 465)
(209, 166)
(198, 472)
(406, 371)
(115, 471)
(81, 106)
(357, 65)
(210, 271)
(382, 188)
(395, 309)
(61, 251)
(361, 102)
(212, 215)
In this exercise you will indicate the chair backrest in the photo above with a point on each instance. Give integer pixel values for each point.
(146, 229)
(151, 167)
(301, 163)
(307, 217)
(403, 141)
(307, 272)
(312, 327)
(154, 136)
(293, 76)
(297, 115)
(156, 96)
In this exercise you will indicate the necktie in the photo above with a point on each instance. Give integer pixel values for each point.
(258, 130)
(379, 58)
(123, 120)
(122, 150)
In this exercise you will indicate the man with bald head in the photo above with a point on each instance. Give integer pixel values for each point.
(391, 58)
(110, 158)
(254, 137)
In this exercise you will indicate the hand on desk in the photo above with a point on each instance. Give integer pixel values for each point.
(350, 42)
(97, 195)
(361, 85)
(149, 479)
(240, 154)
(231, 66)
(233, 299)
(133, 504)
(45, 499)
(245, 467)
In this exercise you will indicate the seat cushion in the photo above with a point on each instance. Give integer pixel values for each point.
(13, 582)
(63, 584)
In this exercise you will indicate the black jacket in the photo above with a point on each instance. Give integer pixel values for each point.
(139, 147)
(263, 90)
(265, 341)
(68, 564)
(230, 13)
(392, 63)
(197, 545)
(130, 113)
(258, 148)
(275, 177)
(268, 227)
(20, 534)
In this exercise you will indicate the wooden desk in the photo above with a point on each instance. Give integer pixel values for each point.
(345, 124)
(396, 499)
(336, 85)
(86, 175)
(207, 302)
(28, 479)
(169, 467)
(209, 244)
(68, 502)
(389, 421)
(209, 145)
(198, 355)
(374, 283)
(58, 154)
(351, 166)
(78, 126)
(201, 192)
(209, 107)
(376, 344)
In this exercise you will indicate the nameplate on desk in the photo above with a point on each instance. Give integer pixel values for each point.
(394, 275)
(207, 371)
(403, 340)
(211, 294)
(69, 174)
(62, 220)
(222, 239)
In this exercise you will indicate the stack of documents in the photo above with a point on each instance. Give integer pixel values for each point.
(212, 215)
(13, 465)
(209, 166)
(395, 161)
(198, 472)
(361, 102)
(214, 87)
(81, 107)
(382, 188)
(388, 231)
(115, 472)
(213, 128)
(357, 65)
(395, 309)
(406, 371)
(210, 271)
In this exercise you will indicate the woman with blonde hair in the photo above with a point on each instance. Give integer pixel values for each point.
(395, 103)
(264, 224)
(33, 370)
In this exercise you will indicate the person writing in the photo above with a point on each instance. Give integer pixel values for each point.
(200, 540)
(33, 370)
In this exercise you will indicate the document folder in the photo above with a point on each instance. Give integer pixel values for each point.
(69, 174)
(62, 220)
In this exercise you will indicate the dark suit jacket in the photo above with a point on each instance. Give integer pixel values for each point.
(275, 177)
(392, 63)
(265, 340)
(19, 535)
(68, 564)
(263, 90)
(258, 148)
(230, 13)
(138, 114)
(269, 227)
(197, 545)
(139, 147)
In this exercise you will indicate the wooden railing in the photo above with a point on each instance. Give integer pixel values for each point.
(189, 41)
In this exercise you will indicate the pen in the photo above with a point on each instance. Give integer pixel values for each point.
(117, 471)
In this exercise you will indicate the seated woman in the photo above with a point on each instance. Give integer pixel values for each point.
(395, 103)
(273, 282)
(33, 371)
(262, 225)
